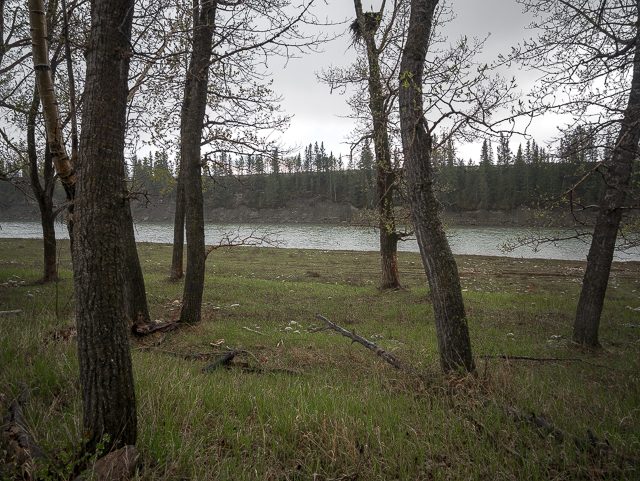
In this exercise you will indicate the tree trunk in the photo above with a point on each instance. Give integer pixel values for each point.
(43, 195)
(440, 266)
(600, 257)
(106, 376)
(385, 174)
(192, 117)
(178, 230)
(137, 309)
(61, 161)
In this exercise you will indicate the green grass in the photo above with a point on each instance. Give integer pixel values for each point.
(232, 424)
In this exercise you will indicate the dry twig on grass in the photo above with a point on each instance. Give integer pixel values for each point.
(509, 357)
(373, 347)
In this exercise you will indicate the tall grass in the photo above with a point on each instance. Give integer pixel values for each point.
(346, 411)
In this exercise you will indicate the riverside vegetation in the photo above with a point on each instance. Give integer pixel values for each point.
(335, 410)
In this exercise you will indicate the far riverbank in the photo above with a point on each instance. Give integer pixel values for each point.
(301, 211)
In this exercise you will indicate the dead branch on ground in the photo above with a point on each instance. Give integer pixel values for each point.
(373, 347)
(509, 357)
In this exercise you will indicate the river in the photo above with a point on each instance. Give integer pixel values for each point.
(471, 240)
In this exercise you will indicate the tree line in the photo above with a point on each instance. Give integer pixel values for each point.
(499, 179)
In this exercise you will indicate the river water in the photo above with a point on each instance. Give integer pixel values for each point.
(471, 240)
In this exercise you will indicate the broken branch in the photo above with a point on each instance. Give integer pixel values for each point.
(373, 347)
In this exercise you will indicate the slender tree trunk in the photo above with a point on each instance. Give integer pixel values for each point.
(64, 167)
(385, 175)
(192, 117)
(137, 309)
(43, 195)
(442, 272)
(106, 376)
(600, 257)
(178, 230)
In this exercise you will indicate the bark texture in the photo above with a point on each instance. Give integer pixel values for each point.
(43, 193)
(191, 121)
(600, 257)
(106, 377)
(385, 176)
(440, 266)
(61, 161)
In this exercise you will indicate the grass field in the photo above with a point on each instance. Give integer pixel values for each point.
(346, 414)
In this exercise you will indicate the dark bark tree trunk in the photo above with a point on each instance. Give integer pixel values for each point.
(440, 266)
(106, 376)
(177, 259)
(385, 175)
(43, 195)
(191, 121)
(600, 257)
(137, 310)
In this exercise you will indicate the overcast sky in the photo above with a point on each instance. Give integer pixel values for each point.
(317, 113)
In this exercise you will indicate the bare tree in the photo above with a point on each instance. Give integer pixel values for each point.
(224, 32)
(590, 51)
(458, 97)
(364, 30)
(192, 116)
(442, 272)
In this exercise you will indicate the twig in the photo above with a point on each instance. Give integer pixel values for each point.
(8, 313)
(251, 330)
(142, 329)
(268, 371)
(508, 357)
(248, 352)
(318, 329)
(373, 347)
